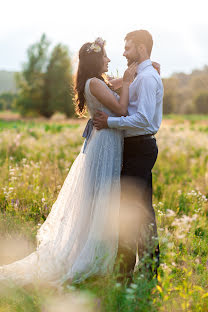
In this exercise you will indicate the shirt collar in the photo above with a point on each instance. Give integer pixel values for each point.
(143, 65)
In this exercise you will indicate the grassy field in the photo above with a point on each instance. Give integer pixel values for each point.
(35, 157)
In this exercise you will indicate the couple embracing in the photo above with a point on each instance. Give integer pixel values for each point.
(103, 215)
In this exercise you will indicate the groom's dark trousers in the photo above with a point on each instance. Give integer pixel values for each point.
(138, 229)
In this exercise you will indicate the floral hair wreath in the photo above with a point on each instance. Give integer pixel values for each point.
(96, 46)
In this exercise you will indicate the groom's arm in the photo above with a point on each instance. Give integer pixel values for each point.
(146, 104)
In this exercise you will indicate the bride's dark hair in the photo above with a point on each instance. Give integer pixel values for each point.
(90, 65)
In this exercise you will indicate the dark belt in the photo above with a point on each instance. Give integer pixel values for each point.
(139, 138)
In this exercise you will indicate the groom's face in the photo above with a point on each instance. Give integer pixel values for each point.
(131, 52)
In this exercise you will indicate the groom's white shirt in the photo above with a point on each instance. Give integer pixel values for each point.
(145, 103)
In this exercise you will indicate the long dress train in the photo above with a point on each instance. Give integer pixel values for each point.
(80, 235)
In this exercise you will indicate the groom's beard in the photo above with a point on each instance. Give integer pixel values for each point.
(135, 59)
(129, 62)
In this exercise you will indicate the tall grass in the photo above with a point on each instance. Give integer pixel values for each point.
(35, 158)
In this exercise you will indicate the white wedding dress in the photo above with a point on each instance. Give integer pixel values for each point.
(80, 235)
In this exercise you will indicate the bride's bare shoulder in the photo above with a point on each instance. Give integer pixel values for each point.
(97, 86)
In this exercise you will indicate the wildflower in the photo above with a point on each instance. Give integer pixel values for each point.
(194, 217)
(170, 213)
(11, 171)
(160, 213)
(117, 285)
(170, 245)
(164, 240)
(43, 200)
(130, 297)
(94, 47)
(130, 291)
(71, 288)
(46, 207)
(180, 236)
(165, 267)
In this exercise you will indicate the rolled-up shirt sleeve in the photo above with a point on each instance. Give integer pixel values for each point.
(146, 105)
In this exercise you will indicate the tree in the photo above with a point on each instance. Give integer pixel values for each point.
(201, 103)
(58, 82)
(169, 99)
(31, 81)
(46, 81)
(8, 98)
(2, 104)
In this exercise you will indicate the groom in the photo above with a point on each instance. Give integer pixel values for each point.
(138, 229)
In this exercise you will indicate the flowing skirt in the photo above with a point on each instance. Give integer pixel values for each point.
(80, 235)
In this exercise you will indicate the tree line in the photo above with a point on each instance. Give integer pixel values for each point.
(186, 93)
(45, 86)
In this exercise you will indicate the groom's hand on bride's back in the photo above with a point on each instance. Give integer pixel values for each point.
(100, 120)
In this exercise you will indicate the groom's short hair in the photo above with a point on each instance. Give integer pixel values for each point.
(141, 36)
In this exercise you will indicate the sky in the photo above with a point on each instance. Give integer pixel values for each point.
(179, 29)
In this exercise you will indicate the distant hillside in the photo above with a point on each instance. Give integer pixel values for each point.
(7, 81)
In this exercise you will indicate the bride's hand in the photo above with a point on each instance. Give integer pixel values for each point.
(130, 72)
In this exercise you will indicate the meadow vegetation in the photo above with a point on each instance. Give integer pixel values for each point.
(35, 157)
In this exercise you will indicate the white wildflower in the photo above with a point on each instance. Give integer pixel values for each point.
(117, 285)
(165, 267)
(130, 290)
(164, 240)
(180, 236)
(170, 213)
(170, 245)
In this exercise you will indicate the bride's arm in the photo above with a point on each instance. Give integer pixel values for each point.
(105, 96)
(116, 83)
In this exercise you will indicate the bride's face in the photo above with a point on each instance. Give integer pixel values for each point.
(106, 60)
(131, 52)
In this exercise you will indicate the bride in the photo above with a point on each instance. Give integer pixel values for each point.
(80, 235)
